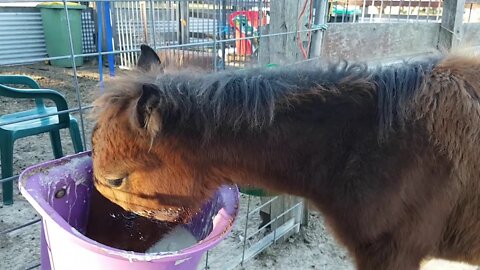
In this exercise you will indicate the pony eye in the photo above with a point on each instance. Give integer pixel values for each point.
(116, 182)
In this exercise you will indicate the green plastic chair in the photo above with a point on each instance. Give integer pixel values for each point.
(51, 124)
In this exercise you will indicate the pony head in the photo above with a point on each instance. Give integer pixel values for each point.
(135, 166)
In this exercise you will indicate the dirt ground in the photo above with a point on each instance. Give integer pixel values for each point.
(312, 248)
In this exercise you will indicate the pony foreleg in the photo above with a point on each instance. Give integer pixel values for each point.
(387, 263)
(387, 255)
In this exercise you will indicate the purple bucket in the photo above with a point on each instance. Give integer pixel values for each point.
(64, 221)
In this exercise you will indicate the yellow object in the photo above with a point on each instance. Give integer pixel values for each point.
(59, 5)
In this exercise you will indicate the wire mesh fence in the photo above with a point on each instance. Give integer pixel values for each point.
(201, 31)
(386, 11)
(472, 12)
(210, 34)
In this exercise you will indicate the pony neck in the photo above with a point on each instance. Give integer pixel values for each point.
(262, 161)
(294, 155)
(292, 131)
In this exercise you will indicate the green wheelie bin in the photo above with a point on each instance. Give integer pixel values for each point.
(55, 28)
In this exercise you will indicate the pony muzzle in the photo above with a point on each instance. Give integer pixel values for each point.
(176, 214)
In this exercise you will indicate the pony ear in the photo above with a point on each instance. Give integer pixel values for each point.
(146, 113)
(148, 58)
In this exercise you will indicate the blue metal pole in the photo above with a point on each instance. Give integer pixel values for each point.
(99, 41)
(108, 30)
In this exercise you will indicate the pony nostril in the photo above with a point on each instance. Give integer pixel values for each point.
(115, 182)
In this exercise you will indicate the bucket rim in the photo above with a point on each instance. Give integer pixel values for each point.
(223, 220)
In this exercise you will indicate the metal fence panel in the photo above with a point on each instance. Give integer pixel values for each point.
(383, 11)
(21, 37)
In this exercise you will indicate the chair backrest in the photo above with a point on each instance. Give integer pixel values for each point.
(9, 80)
(34, 92)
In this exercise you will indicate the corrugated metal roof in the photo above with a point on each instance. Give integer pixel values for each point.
(21, 37)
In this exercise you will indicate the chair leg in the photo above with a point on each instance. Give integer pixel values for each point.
(76, 137)
(6, 151)
(56, 143)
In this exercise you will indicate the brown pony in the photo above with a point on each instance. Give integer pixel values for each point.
(388, 154)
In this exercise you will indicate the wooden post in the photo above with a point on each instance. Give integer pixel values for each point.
(280, 49)
(451, 27)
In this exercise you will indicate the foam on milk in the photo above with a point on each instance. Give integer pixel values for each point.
(177, 239)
